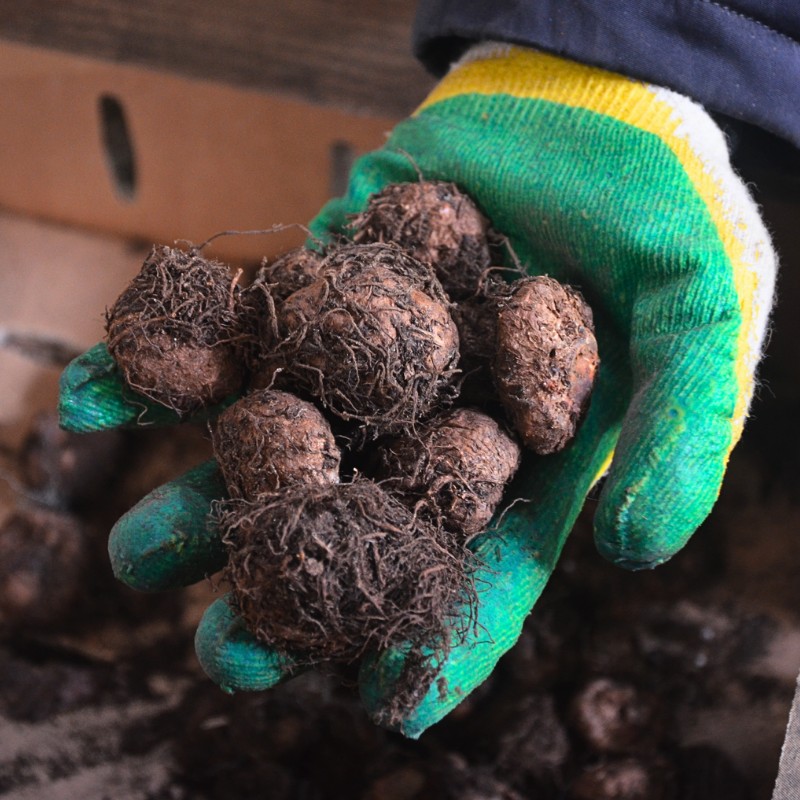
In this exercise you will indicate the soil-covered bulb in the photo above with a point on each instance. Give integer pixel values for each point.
(173, 332)
(271, 440)
(435, 222)
(328, 572)
(546, 360)
(456, 468)
(372, 338)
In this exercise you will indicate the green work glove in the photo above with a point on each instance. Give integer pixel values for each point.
(621, 189)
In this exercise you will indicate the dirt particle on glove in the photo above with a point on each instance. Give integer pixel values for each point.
(174, 331)
(545, 362)
(271, 440)
(437, 224)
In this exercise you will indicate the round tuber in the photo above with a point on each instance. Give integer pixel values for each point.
(329, 572)
(456, 467)
(435, 222)
(173, 331)
(371, 338)
(545, 360)
(271, 440)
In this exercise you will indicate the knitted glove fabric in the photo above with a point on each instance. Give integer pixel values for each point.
(624, 190)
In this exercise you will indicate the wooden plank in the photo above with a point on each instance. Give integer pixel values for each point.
(206, 156)
(349, 53)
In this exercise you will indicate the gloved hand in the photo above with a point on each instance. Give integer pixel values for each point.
(621, 189)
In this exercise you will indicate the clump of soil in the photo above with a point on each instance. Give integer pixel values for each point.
(173, 332)
(271, 440)
(435, 222)
(545, 361)
(625, 779)
(64, 470)
(613, 716)
(454, 468)
(330, 572)
(43, 559)
(371, 338)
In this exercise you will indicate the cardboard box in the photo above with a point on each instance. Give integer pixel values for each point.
(149, 155)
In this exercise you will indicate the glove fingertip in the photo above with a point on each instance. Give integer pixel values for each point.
(379, 679)
(232, 657)
(93, 397)
(640, 526)
(168, 540)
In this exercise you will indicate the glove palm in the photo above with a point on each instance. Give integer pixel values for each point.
(624, 191)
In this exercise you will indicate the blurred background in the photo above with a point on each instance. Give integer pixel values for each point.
(127, 124)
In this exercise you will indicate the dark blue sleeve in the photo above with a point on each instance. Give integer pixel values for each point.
(739, 58)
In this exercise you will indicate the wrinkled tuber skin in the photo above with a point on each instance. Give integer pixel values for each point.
(455, 468)
(372, 338)
(259, 304)
(269, 440)
(328, 572)
(436, 223)
(173, 331)
(294, 270)
(476, 320)
(545, 362)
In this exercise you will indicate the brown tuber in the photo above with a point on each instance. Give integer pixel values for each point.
(173, 332)
(329, 572)
(434, 222)
(545, 361)
(294, 270)
(456, 467)
(371, 338)
(271, 440)
(476, 320)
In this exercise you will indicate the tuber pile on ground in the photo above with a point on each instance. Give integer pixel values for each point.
(357, 474)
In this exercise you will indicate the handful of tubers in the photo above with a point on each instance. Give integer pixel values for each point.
(356, 477)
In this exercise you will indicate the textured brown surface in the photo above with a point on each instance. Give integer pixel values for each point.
(312, 49)
(546, 361)
(434, 222)
(372, 338)
(173, 332)
(614, 716)
(43, 557)
(455, 467)
(269, 441)
(292, 271)
(328, 573)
